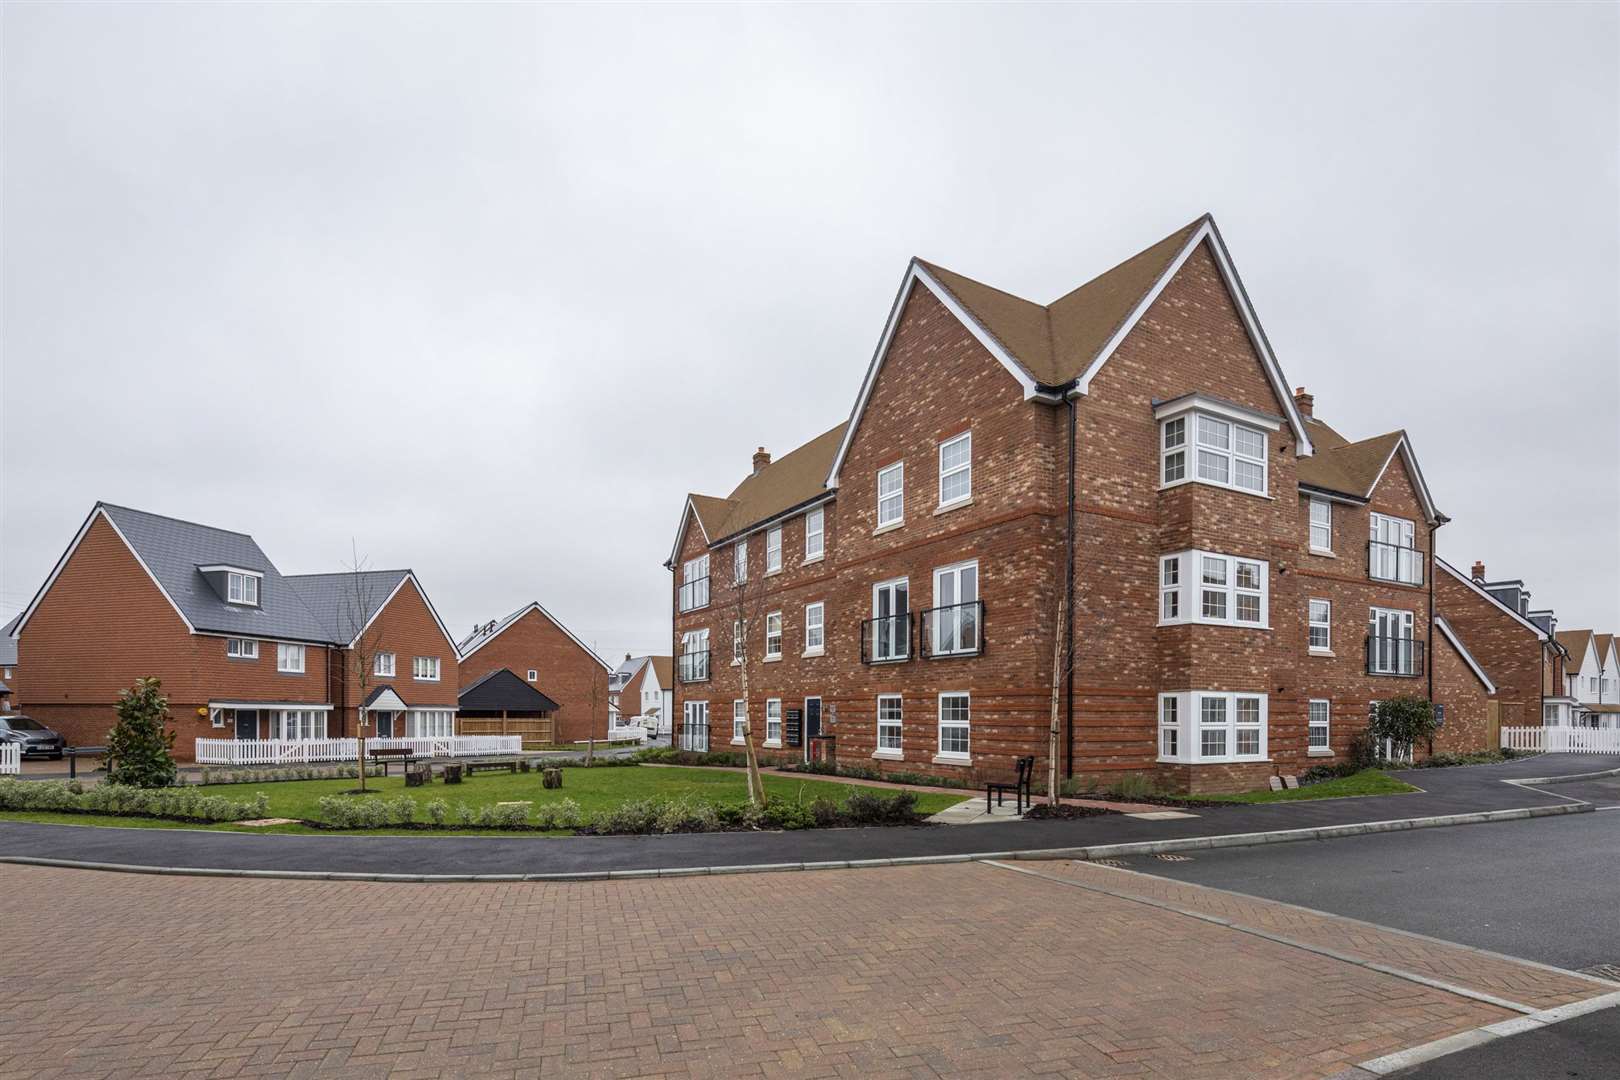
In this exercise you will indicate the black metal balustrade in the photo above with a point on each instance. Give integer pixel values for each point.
(1392, 562)
(1394, 655)
(953, 630)
(886, 639)
(695, 666)
(695, 594)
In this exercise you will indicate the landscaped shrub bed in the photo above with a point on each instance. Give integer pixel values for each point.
(122, 800)
(237, 774)
(1065, 812)
(1447, 759)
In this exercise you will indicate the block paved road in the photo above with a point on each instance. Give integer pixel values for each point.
(966, 969)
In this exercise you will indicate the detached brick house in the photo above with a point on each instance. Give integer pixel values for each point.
(242, 650)
(1244, 581)
(536, 647)
(1514, 644)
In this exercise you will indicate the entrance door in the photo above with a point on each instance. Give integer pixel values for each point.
(812, 722)
(695, 729)
(247, 723)
(383, 724)
(891, 634)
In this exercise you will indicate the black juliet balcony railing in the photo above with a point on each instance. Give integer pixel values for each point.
(1394, 656)
(886, 639)
(694, 666)
(695, 594)
(1392, 562)
(953, 630)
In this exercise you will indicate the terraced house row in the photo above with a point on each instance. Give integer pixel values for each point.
(247, 654)
(1245, 580)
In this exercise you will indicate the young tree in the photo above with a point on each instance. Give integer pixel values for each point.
(362, 597)
(747, 605)
(1403, 722)
(139, 747)
(1062, 658)
(597, 690)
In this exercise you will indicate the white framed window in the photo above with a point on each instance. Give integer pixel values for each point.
(888, 724)
(1318, 741)
(1321, 625)
(695, 725)
(815, 534)
(238, 648)
(954, 622)
(695, 583)
(290, 658)
(891, 494)
(1390, 647)
(954, 721)
(1211, 587)
(956, 469)
(695, 656)
(1391, 551)
(1321, 512)
(773, 722)
(773, 636)
(1205, 726)
(739, 720)
(773, 550)
(298, 725)
(533, 676)
(429, 723)
(1226, 451)
(1173, 451)
(739, 561)
(242, 588)
(220, 717)
(815, 617)
(737, 642)
(425, 668)
(383, 664)
(890, 636)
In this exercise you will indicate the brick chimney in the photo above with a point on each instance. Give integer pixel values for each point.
(762, 458)
(1478, 571)
(1303, 401)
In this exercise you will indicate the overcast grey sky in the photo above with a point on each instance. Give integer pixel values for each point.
(488, 289)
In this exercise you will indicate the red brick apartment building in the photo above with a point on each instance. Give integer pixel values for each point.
(243, 651)
(1245, 581)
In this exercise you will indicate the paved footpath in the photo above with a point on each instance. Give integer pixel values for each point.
(1446, 792)
(917, 971)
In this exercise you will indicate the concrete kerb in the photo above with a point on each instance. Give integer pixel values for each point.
(1467, 1040)
(1092, 852)
(1553, 781)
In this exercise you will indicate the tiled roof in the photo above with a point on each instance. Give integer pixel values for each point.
(345, 602)
(1350, 468)
(1574, 643)
(8, 643)
(173, 550)
(796, 477)
(664, 668)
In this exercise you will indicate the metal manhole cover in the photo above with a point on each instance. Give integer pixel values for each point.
(1173, 858)
(1117, 863)
(1603, 971)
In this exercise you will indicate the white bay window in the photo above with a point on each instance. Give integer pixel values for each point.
(1214, 588)
(1207, 727)
(1226, 444)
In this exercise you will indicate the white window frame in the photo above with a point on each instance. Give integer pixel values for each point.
(695, 573)
(1392, 554)
(1407, 621)
(695, 643)
(739, 561)
(1322, 747)
(1186, 718)
(773, 723)
(1189, 586)
(890, 727)
(242, 587)
(739, 643)
(965, 468)
(239, 648)
(815, 539)
(773, 618)
(290, 658)
(425, 668)
(739, 721)
(895, 514)
(815, 629)
(900, 642)
(430, 723)
(773, 550)
(953, 757)
(1323, 527)
(533, 675)
(1325, 624)
(1183, 447)
(297, 725)
(694, 714)
(384, 664)
(955, 620)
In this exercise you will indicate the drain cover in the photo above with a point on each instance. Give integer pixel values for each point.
(1603, 971)
(1173, 858)
(1109, 862)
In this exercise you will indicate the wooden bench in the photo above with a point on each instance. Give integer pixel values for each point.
(386, 755)
(490, 766)
(1020, 786)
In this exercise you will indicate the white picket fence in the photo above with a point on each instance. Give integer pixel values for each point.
(1562, 740)
(303, 751)
(10, 759)
(627, 733)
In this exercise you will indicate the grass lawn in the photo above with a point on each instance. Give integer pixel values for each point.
(593, 789)
(1365, 782)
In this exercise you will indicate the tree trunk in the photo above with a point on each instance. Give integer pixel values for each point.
(360, 744)
(1057, 685)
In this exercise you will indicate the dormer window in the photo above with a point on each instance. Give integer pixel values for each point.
(1207, 441)
(242, 588)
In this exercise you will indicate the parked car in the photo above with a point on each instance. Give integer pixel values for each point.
(32, 736)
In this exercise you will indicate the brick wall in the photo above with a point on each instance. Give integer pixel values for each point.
(567, 672)
(1465, 698)
(405, 627)
(1512, 655)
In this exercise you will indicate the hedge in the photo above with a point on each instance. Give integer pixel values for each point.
(175, 803)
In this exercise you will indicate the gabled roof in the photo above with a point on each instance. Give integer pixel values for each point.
(384, 697)
(1057, 349)
(1575, 643)
(171, 551)
(487, 633)
(502, 690)
(1604, 644)
(1462, 650)
(8, 643)
(1355, 468)
(342, 600)
(664, 668)
(793, 480)
(1490, 598)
